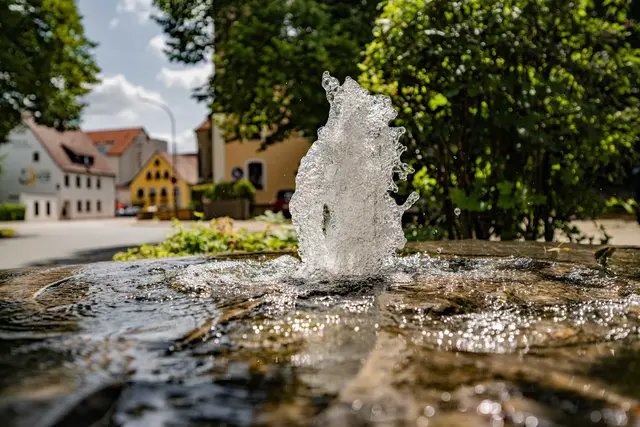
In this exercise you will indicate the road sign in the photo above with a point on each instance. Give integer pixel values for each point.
(237, 173)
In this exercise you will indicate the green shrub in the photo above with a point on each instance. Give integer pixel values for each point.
(244, 189)
(419, 233)
(6, 232)
(217, 236)
(11, 212)
(231, 190)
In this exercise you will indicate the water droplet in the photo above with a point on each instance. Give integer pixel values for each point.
(446, 396)
(457, 211)
(356, 405)
(531, 421)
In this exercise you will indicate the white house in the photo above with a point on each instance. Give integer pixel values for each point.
(56, 175)
(127, 150)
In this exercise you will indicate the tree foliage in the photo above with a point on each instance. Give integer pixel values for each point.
(46, 63)
(515, 109)
(270, 56)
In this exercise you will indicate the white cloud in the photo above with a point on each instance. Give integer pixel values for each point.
(113, 23)
(188, 78)
(117, 97)
(157, 45)
(185, 141)
(141, 8)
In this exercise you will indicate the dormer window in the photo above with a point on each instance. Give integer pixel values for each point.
(79, 159)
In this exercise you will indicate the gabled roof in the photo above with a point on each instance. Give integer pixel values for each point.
(120, 138)
(185, 168)
(60, 145)
(206, 125)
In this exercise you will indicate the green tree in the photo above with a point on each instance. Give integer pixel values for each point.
(270, 56)
(46, 63)
(515, 109)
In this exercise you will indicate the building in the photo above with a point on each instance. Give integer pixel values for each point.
(56, 175)
(127, 150)
(270, 170)
(154, 185)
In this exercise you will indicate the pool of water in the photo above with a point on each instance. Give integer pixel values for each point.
(523, 337)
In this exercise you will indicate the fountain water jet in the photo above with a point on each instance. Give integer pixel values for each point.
(347, 222)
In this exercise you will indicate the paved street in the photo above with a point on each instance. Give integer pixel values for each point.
(71, 242)
(80, 241)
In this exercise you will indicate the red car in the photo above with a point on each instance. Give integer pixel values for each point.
(283, 197)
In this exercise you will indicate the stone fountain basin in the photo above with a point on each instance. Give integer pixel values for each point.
(479, 334)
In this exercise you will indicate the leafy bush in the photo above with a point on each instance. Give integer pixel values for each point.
(11, 212)
(6, 232)
(244, 189)
(516, 110)
(271, 217)
(231, 190)
(217, 236)
(415, 232)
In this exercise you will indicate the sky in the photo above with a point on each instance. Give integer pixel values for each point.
(133, 67)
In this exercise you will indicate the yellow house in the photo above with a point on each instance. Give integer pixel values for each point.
(160, 179)
(270, 171)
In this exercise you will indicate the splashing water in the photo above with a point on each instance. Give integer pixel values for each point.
(347, 222)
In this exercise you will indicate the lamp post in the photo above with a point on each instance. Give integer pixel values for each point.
(172, 119)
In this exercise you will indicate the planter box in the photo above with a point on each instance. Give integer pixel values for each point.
(146, 215)
(236, 209)
(182, 215)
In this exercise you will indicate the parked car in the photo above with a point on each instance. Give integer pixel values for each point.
(128, 211)
(283, 197)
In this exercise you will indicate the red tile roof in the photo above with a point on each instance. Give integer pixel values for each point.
(206, 125)
(76, 141)
(186, 166)
(120, 138)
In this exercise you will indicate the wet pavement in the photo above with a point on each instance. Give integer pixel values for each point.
(458, 334)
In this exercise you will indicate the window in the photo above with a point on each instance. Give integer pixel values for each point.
(163, 192)
(79, 206)
(98, 183)
(158, 175)
(88, 182)
(78, 181)
(99, 206)
(48, 208)
(152, 194)
(166, 174)
(36, 157)
(157, 162)
(148, 176)
(140, 193)
(66, 181)
(88, 205)
(255, 173)
(36, 208)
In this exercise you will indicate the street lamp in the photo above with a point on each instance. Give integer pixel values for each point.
(174, 180)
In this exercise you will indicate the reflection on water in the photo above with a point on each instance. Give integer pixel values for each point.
(434, 341)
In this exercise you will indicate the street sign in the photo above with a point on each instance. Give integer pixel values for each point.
(237, 173)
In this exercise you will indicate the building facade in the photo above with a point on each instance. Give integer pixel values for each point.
(270, 171)
(127, 150)
(163, 180)
(55, 175)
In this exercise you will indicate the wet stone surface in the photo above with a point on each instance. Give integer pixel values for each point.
(458, 334)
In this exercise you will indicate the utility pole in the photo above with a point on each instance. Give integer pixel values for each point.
(172, 119)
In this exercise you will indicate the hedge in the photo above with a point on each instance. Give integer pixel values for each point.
(11, 212)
